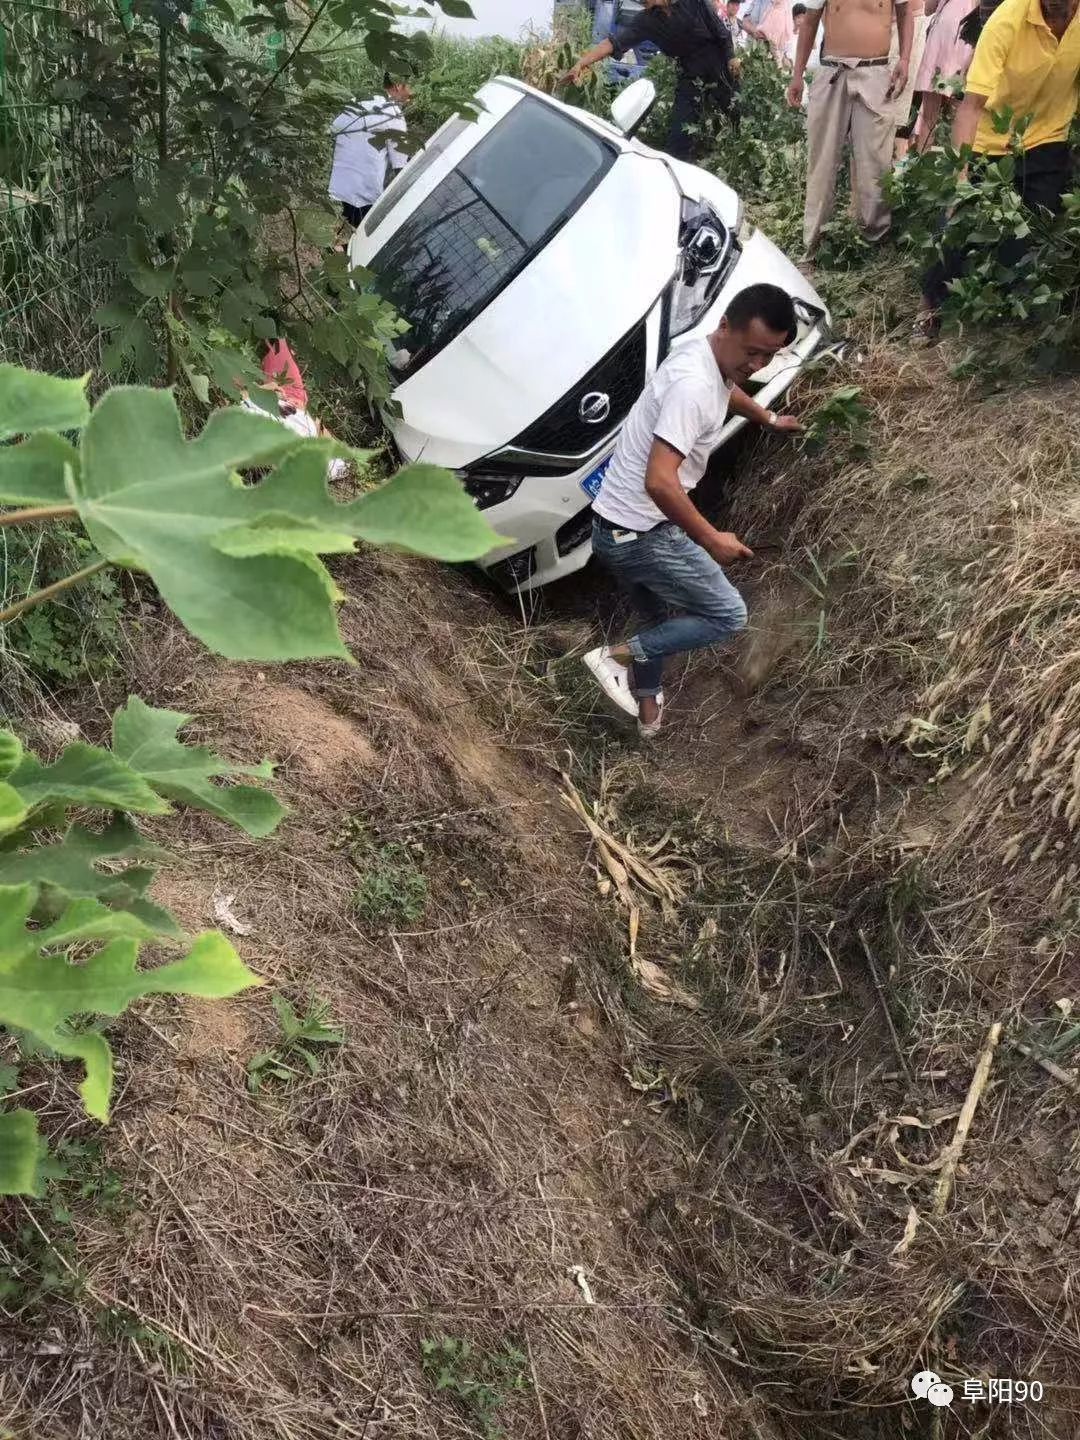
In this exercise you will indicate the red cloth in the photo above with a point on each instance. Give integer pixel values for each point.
(279, 364)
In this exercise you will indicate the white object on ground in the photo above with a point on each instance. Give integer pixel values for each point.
(224, 914)
(577, 1274)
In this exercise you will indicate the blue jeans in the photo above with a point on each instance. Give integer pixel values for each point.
(663, 570)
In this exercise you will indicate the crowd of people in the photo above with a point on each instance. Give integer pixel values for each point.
(880, 73)
(876, 78)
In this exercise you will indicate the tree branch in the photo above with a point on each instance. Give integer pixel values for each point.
(38, 512)
(50, 591)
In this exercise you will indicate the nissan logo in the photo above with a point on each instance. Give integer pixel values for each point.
(595, 407)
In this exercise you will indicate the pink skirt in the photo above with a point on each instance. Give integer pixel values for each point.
(946, 56)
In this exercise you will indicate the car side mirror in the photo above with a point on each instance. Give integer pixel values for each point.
(632, 105)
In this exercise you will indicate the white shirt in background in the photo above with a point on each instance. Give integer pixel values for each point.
(686, 404)
(358, 176)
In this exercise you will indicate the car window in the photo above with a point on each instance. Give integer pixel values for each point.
(437, 146)
(476, 230)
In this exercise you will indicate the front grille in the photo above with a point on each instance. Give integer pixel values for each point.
(620, 375)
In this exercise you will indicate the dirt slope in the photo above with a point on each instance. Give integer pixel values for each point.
(471, 1144)
(750, 1187)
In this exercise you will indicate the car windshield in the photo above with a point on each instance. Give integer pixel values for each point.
(476, 230)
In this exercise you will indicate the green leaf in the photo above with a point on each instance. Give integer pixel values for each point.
(13, 809)
(238, 563)
(31, 401)
(90, 920)
(426, 510)
(153, 501)
(69, 867)
(459, 9)
(32, 473)
(20, 1152)
(146, 740)
(84, 775)
(11, 751)
(41, 993)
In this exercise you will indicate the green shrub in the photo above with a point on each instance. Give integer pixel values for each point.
(65, 640)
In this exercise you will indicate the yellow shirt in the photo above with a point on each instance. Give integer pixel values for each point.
(1020, 63)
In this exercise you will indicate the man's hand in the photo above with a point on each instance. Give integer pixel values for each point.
(795, 92)
(724, 547)
(898, 81)
(788, 424)
(572, 76)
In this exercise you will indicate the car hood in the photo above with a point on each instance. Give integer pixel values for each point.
(598, 276)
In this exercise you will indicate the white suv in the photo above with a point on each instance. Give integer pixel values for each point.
(546, 262)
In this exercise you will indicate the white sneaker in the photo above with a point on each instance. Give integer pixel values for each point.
(649, 730)
(613, 678)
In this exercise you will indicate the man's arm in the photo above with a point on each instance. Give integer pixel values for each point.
(739, 403)
(905, 25)
(967, 117)
(983, 77)
(807, 35)
(667, 494)
(591, 57)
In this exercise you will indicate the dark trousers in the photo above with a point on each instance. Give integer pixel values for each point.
(353, 214)
(697, 103)
(1042, 177)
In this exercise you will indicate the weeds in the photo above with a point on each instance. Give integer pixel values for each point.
(393, 889)
(68, 639)
(481, 1382)
(114, 1324)
(298, 1051)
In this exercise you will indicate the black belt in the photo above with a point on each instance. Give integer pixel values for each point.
(859, 64)
(606, 524)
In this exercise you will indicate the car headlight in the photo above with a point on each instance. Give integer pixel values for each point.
(486, 489)
(708, 252)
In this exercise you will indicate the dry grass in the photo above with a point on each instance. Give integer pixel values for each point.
(749, 1185)
(445, 1172)
(860, 787)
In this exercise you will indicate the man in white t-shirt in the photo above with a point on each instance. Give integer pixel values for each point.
(646, 529)
(358, 175)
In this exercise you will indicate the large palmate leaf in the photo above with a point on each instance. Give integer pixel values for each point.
(41, 992)
(33, 473)
(84, 775)
(238, 563)
(21, 1152)
(31, 401)
(145, 739)
(71, 868)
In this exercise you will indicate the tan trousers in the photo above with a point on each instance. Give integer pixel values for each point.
(848, 102)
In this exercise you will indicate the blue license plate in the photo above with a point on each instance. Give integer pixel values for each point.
(592, 482)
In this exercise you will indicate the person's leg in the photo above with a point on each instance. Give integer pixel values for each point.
(626, 564)
(873, 129)
(1042, 177)
(827, 119)
(682, 576)
(684, 115)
